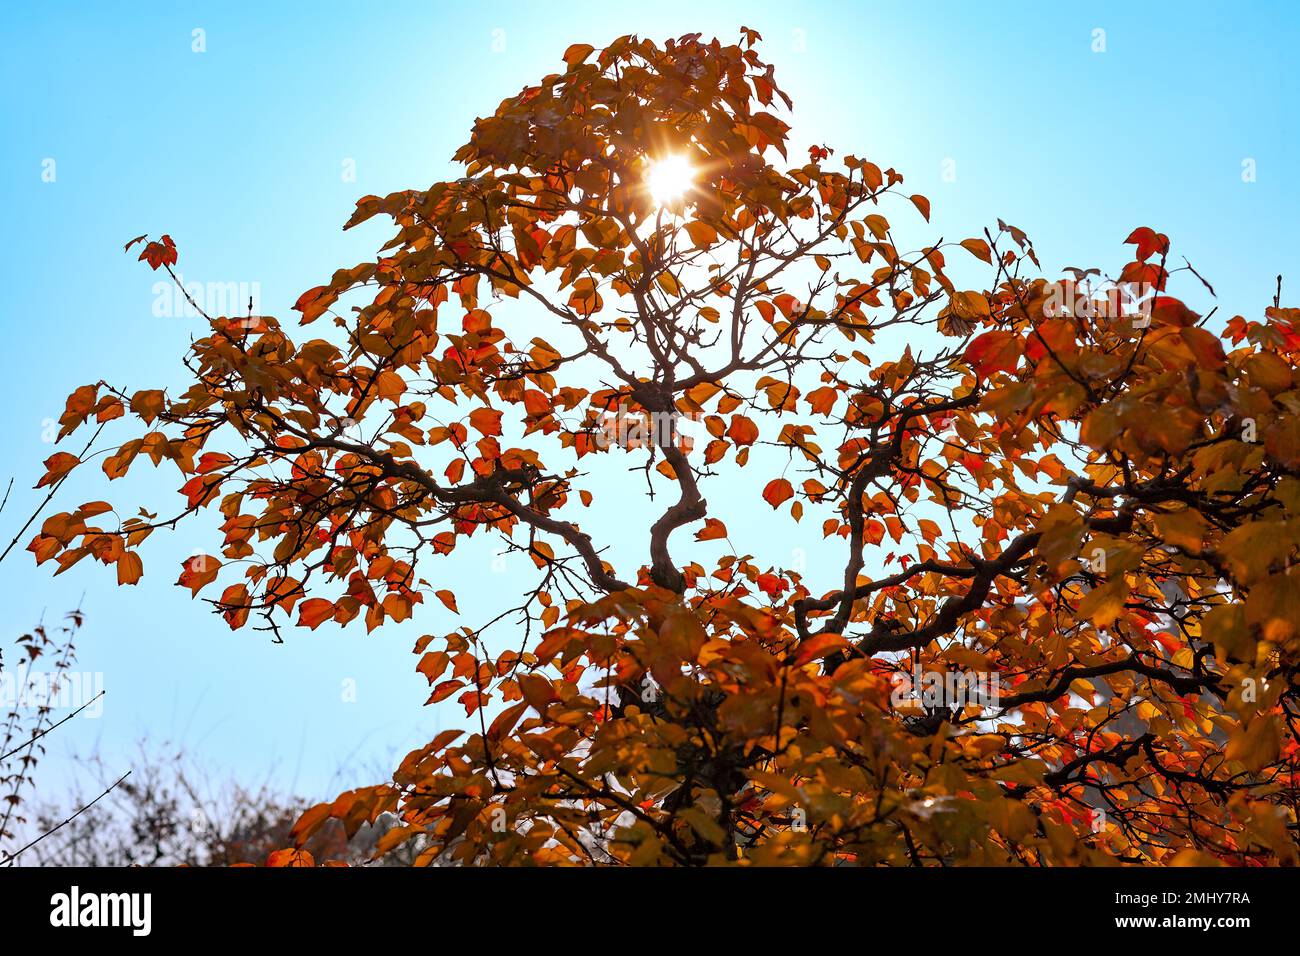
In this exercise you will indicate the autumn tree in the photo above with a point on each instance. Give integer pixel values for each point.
(1073, 494)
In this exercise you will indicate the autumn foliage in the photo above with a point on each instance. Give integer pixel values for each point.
(1093, 501)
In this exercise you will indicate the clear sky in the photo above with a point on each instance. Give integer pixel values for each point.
(1178, 116)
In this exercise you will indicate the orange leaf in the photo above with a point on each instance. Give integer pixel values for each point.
(129, 567)
(486, 421)
(577, 53)
(148, 404)
(978, 248)
(702, 234)
(198, 572)
(506, 720)
(818, 647)
(742, 431)
(313, 612)
(432, 665)
(310, 822)
(290, 857)
(822, 399)
(444, 690)
(56, 466)
(313, 303)
(713, 529)
(777, 491)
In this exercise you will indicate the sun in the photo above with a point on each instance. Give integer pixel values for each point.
(669, 179)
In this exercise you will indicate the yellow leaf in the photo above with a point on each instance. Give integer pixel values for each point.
(1256, 745)
(702, 234)
(577, 53)
(1103, 604)
(1183, 529)
(978, 248)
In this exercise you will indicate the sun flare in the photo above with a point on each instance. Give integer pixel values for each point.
(669, 179)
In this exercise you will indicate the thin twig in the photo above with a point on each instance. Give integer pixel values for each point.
(13, 856)
(53, 488)
(38, 736)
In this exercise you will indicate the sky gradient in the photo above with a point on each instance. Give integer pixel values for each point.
(242, 152)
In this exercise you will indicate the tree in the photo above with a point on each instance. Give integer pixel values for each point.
(30, 697)
(1062, 624)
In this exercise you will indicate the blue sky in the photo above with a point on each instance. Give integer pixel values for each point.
(239, 152)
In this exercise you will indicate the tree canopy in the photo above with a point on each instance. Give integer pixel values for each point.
(1062, 622)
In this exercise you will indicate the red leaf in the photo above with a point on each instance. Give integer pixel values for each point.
(313, 303)
(444, 690)
(212, 460)
(159, 253)
(994, 352)
(1148, 242)
(201, 489)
